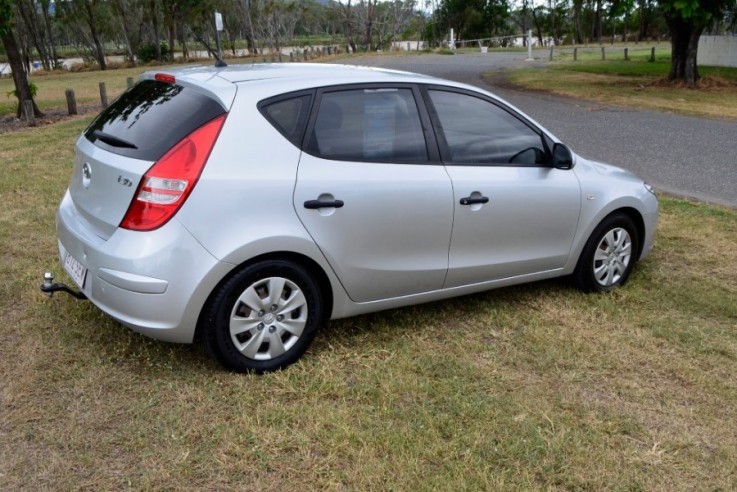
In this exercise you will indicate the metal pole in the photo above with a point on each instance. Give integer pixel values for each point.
(529, 45)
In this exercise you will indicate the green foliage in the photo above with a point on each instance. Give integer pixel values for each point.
(33, 88)
(474, 19)
(697, 11)
(147, 52)
(6, 16)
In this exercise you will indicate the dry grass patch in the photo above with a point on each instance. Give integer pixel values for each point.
(533, 387)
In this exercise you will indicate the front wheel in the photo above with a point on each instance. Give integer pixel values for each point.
(608, 256)
(264, 317)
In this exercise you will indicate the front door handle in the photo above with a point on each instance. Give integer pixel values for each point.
(472, 200)
(315, 204)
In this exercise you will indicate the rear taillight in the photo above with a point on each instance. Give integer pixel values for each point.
(166, 186)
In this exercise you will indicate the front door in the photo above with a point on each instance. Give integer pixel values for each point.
(514, 214)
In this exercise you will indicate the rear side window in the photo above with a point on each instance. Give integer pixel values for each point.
(375, 125)
(150, 118)
(289, 116)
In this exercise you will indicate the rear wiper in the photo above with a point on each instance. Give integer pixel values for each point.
(113, 140)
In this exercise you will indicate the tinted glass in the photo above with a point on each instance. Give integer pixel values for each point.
(152, 117)
(381, 125)
(479, 132)
(289, 116)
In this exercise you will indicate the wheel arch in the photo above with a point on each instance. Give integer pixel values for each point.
(312, 267)
(636, 217)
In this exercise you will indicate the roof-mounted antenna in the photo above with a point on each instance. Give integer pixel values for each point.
(219, 63)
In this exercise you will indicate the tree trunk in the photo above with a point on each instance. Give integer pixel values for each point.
(684, 40)
(537, 27)
(92, 23)
(577, 31)
(643, 21)
(155, 22)
(597, 27)
(172, 28)
(50, 32)
(248, 27)
(19, 74)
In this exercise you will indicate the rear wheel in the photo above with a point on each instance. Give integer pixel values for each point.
(263, 318)
(609, 255)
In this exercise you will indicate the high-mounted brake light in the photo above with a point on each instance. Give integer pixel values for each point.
(165, 77)
(166, 186)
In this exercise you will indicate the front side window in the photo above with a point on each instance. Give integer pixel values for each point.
(480, 132)
(380, 125)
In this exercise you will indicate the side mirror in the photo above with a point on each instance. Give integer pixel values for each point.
(562, 157)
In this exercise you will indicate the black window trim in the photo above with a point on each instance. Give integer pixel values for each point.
(440, 134)
(264, 103)
(431, 144)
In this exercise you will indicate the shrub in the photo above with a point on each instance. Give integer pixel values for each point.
(147, 52)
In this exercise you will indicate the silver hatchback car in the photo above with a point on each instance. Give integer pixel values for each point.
(251, 204)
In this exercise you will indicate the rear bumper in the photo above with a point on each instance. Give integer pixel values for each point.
(155, 283)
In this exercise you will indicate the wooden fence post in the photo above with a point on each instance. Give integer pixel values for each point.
(652, 54)
(603, 55)
(626, 54)
(103, 95)
(28, 111)
(575, 54)
(71, 101)
(552, 47)
(291, 56)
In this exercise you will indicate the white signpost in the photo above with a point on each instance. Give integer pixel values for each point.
(218, 30)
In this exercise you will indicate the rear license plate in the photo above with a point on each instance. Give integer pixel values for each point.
(75, 270)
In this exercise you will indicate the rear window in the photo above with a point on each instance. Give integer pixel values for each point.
(151, 118)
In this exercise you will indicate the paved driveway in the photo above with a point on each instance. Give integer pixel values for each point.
(687, 156)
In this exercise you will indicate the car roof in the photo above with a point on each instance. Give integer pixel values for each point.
(299, 74)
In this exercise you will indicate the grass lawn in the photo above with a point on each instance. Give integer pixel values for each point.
(533, 387)
(634, 83)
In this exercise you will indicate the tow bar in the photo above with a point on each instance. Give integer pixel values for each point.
(48, 287)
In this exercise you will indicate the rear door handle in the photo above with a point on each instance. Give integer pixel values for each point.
(315, 204)
(472, 200)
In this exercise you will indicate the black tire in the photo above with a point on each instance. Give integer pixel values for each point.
(608, 256)
(277, 327)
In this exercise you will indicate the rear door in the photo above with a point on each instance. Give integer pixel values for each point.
(122, 143)
(372, 192)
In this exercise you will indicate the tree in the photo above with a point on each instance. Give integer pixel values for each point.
(473, 19)
(686, 20)
(20, 78)
(89, 21)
